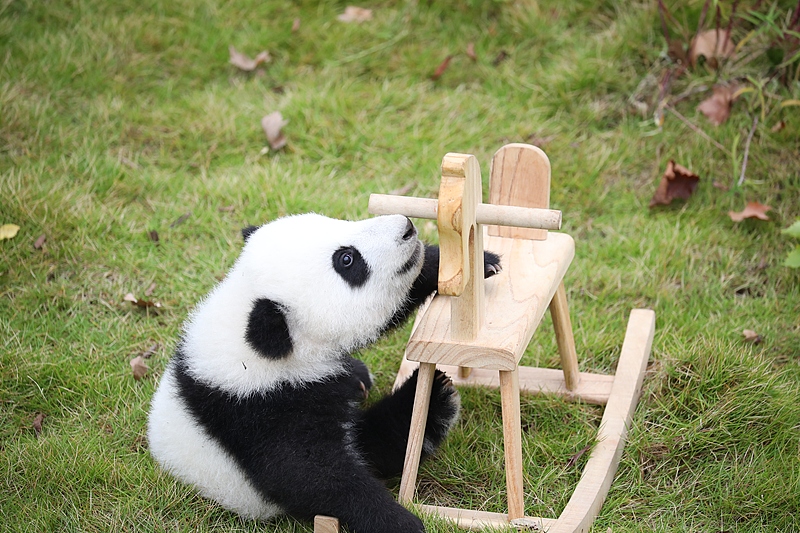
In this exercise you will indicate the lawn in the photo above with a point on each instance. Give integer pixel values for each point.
(123, 121)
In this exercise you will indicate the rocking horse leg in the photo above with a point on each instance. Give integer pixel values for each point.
(559, 311)
(512, 441)
(416, 435)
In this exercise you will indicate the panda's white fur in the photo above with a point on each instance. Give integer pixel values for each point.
(289, 261)
(184, 450)
(240, 417)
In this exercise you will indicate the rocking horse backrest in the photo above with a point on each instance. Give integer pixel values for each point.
(507, 187)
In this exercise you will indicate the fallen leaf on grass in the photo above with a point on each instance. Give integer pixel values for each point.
(295, 25)
(153, 235)
(778, 127)
(181, 219)
(751, 336)
(441, 68)
(150, 289)
(751, 210)
(242, 62)
(139, 302)
(355, 14)
(574, 459)
(8, 231)
(37, 424)
(677, 182)
(793, 230)
(139, 367)
(713, 45)
(502, 56)
(40, 241)
(150, 351)
(471, 52)
(717, 107)
(272, 125)
(676, 50)
(793, 259)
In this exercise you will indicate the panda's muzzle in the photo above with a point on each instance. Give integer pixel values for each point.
(413, 261)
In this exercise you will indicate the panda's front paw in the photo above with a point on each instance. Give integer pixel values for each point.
(443, 411)
(491, 264)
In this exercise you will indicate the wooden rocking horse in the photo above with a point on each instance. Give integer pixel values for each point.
(478, 332)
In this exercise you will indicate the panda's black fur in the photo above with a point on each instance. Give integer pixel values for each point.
(301, 443)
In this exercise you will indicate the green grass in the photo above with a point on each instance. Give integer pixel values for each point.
(116, 118)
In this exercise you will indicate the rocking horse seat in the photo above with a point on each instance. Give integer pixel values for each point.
(516, 300)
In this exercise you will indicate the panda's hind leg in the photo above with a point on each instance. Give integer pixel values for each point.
(383, 428)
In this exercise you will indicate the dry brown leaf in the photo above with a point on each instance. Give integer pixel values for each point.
(778, 127)
(153, 235)
(150, 351)
(37, 424)
(677, 182)
(272, 125)
(574, 459)
(40, 241)
(150, 289)
(751, 336)
(355, 14)
(471, 52)
(181, 219)
(717, 107)
(676, 50)
(295, 25)
(502, 56)
(8, 231)
(242, 62)
(712, 44)
(139, 302)
(139, 367)
(441, 68)
(751, 210)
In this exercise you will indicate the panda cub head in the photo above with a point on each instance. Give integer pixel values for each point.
(305, 291)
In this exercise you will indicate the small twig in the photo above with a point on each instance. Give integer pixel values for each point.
(702, 20)
(730, 25)
(747, 150)
(698, 130)
(664, 29)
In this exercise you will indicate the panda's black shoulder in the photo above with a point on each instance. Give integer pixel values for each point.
(234, 420)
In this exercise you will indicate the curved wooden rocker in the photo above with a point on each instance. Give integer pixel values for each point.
(477, 333)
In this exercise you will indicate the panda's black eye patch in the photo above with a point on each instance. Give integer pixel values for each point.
(348, 263)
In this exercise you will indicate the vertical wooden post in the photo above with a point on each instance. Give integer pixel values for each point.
(562, 324)
(416, 434)
(512, 441)
(461, 244)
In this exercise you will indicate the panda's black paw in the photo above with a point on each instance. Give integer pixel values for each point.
(491, 264)
(442, 413)
(361, 372)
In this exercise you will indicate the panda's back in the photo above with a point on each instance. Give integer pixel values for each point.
(184, 449)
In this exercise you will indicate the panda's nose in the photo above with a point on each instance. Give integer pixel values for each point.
(410, 230)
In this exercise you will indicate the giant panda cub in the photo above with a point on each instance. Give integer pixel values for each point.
(260, 408)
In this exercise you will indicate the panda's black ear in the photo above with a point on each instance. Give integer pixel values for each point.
(267, 331)
(246, 232)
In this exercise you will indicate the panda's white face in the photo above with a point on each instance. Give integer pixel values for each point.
(305, 290)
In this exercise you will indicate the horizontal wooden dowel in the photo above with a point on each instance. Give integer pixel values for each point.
(501, 215)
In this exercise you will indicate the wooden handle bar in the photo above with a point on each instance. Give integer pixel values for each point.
(501, 215)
